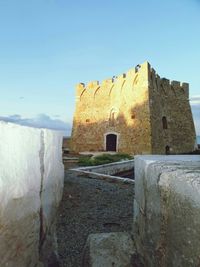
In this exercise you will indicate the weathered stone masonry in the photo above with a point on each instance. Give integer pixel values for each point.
(137, 112)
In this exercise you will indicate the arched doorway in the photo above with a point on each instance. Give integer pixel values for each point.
(111, 142)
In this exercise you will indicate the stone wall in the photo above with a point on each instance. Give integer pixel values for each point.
(119, 105)
(167, 210)
(132, 107)
(110, 168)
(66, 142)
(66, 145)
(31, 183)
(170, 99)
(107, 172)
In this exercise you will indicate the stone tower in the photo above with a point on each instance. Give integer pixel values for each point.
(137, 112)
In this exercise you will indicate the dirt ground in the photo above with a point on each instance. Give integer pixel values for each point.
(90, 206)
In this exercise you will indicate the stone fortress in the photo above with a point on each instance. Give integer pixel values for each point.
(137, 112)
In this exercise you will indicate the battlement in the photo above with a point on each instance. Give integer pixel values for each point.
(118, 81)
(168, 84)
(176, 84)
(131, 79)
(80, 86)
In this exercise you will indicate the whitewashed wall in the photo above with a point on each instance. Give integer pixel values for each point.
(31, 184)
(167, 210)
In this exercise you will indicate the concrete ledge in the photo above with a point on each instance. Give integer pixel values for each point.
(107, 178)
(167, 210)
(70, 159)
(103, 172)
(110, 168)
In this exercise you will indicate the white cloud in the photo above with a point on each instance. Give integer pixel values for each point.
(45, 121)
(195, 100)
(40, 121)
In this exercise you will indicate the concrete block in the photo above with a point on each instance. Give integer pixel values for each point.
(31, 182)
(109, 249)
(167, 227)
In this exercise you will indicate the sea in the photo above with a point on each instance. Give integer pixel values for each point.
(198, 139)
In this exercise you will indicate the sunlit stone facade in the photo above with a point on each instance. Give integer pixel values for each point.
(136, 112)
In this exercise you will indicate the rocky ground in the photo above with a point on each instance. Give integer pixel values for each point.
(90, 206)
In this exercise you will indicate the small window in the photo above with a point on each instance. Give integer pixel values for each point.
(164, 122)
(133, 116)
(112, 117)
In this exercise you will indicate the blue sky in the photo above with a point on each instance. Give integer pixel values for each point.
(47, 46)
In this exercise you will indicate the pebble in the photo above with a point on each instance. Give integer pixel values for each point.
(90, 206)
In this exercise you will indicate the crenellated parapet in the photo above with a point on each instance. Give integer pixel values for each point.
(128, 79)
(134, 78)
(166, 86)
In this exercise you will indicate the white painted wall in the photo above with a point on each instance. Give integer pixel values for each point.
(166, 226)
(31, 184)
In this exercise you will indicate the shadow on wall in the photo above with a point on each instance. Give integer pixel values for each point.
(131, 128)
(132, 131)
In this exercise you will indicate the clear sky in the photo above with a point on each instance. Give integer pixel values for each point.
(47, 46)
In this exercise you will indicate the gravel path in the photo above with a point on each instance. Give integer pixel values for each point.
(90, 206)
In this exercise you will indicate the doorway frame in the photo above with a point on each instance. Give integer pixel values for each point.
(117, 141)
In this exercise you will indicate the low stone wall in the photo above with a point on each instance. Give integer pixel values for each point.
(167, 210)
(31, 184)
(111, 168)
(106, 171)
